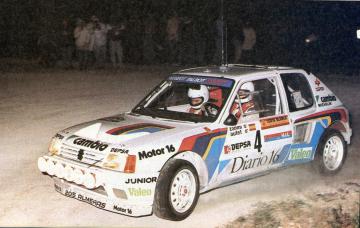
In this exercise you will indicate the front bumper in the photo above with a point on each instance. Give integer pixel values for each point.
(123, 193)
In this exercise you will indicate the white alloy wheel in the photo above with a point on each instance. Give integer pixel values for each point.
(183, 190)
(333, 153)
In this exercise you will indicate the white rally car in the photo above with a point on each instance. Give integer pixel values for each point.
(199, 129)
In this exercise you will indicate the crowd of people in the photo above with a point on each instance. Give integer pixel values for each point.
(92, 43)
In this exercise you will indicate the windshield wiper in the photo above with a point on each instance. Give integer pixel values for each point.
(147, 111)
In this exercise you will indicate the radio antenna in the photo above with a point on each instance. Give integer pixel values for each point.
(226, 46)
(222, 32)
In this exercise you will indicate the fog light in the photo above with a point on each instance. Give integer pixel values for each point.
(78, 176)
(51, 167)
(42, 164)
(69, 173)
(89, 180)
(59, 170)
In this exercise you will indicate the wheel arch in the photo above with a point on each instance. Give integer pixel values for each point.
(196, 161)
(337, 126)
(340, 127)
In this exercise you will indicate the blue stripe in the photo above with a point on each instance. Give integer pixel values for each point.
(212, 159)
(277, 138)
(145, 129)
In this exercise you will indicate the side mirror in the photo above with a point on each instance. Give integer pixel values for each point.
(231, 120)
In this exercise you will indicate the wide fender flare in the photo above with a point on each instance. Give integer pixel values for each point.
(196, 161)
(338, 126)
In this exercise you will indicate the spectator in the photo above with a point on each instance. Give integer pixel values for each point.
(116, 35)
(172, 31)
(249, 41)
(100, 38)
(66, 44)
(82, 43)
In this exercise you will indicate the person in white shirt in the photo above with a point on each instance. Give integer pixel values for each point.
(100, 31)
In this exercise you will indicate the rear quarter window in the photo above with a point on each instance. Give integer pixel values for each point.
(298, 91)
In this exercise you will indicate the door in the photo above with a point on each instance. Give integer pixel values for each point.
(253, 145)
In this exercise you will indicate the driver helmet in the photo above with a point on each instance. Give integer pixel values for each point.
(245, 89)
(198, 96)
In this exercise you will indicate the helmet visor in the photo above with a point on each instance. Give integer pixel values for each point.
(244, 93)
(196, 101)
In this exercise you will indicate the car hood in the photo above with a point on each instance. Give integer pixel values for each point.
(126, 128)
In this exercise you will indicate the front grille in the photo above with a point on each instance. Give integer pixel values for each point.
(88, 157)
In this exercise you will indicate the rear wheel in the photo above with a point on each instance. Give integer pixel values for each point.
(331, 153)
(177, 190)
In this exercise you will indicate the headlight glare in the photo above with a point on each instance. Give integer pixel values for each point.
(54, 147)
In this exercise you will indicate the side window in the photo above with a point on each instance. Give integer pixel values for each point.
(298, 92)
(259, 97)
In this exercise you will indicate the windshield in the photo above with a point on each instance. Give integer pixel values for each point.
(188, 98)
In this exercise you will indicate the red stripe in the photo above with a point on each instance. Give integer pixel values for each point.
(136, 126)
(278, 134)
(188, 143)
(341, 111)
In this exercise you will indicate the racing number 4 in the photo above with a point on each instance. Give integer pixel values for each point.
(258, 141)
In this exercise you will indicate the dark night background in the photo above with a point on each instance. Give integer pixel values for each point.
(281, 27)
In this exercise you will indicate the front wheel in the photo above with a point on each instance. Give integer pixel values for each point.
(177, 190)
(331, 153)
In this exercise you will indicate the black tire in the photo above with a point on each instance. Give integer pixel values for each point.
(319, 156)
(162, 206)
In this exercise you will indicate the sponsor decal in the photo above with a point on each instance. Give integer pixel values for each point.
(227, 149)
(278, 136)
(274, 122)
(244, 163)
(139, 192)
(122, 210)
(300, 153)
(89, 200)
(237, 147)
(119, 150)
(202, 80)
(318, 87)
(140, 180)
(155, 152)
(80, 154)
(137, 128)
(238, 130)
(90, 144)
(326, 100)
(252, 127)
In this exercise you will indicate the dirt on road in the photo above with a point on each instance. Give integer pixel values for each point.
(35, 104)
(333, 206)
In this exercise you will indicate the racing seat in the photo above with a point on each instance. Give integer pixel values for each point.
(215, 97)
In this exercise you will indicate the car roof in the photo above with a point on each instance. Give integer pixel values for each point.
(234, 71)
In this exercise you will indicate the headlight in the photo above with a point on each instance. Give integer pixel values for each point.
(112, 161)
(120, 162)
(55, 145)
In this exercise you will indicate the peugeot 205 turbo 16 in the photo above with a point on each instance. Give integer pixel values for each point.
(197, 130)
